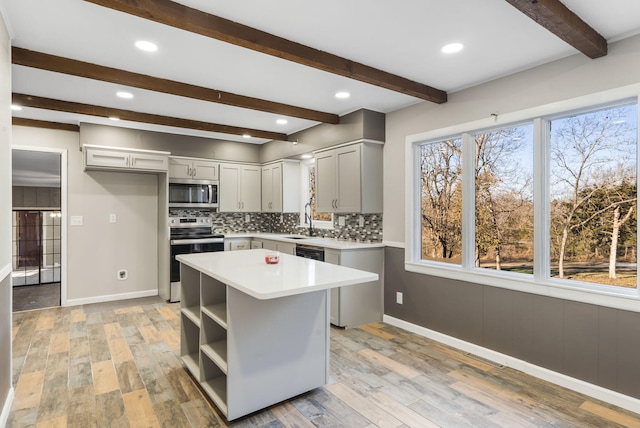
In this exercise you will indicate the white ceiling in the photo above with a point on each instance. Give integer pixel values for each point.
(403, 38)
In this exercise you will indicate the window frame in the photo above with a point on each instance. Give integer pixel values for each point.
(540, 282)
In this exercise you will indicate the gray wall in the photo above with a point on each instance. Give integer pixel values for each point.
(5, 214)
(596, 344)
(361, 124)
(178, 145)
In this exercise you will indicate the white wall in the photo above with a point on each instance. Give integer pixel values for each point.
(5, 223)
(561, 80)
(98, 249)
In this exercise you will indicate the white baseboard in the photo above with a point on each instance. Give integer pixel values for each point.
(612, 397)
(111, 297)
(4, 416)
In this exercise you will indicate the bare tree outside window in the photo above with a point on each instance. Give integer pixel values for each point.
(312, 196)
(504, 199)
(593, 196)
(441, 199)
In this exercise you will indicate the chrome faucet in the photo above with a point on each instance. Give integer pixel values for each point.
(308, 217)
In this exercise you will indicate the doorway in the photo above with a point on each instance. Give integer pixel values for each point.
(37, 230)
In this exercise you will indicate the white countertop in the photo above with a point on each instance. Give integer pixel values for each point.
(247, 271)
(336, 244)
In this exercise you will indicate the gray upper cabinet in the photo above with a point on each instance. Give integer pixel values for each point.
(114, 158)
(240, 189)
(281, 187)
(196, 169)
(349, 179)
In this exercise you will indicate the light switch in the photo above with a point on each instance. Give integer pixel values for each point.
(76, 220)
(113, 218)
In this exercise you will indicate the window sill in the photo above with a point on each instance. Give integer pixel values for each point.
(618, 298)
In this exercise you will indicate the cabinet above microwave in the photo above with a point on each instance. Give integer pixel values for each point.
(190, 168)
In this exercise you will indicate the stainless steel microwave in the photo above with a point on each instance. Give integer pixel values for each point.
(188, 193)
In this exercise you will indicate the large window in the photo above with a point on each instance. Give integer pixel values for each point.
(594, 196)
(441, 200)
(504, 199)
(546, 200)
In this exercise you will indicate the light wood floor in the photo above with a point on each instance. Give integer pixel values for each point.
(117, 365)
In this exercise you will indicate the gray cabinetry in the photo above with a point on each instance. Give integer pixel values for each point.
(240, 189)
(281, 187)
(113, 158)
(349, 179)
(197, 169)
(358, 304)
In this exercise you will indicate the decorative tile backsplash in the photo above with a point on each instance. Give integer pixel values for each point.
(371, 231)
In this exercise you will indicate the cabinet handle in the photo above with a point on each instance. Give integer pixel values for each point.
(193, 172)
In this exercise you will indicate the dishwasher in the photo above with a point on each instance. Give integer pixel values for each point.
(309, 252)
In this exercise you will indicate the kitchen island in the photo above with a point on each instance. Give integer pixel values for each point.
(255, 334)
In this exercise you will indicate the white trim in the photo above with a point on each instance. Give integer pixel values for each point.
(126, 149)
(348, 143)
(112, 297)
(5, 271)
(6, 408)
(394, 244)
(607, 395)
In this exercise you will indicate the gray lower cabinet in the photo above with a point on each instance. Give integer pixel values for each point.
(267, 244)
(362, 303)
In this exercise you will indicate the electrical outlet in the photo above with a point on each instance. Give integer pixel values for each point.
(113, 218)
(399, 298)
(341, 220)
(281, 218)
(76, 220)
(122, 274)
(361, 221)
(247, 218)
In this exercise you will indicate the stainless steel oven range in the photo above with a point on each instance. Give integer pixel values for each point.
(190, 235)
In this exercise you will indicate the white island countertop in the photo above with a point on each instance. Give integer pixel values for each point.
(248, 272)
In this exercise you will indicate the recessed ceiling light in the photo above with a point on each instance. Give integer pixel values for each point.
(146, 46)
(125, 95)
(307, 156)
(15, 107)
(114, 118)
(246, 136)
(342, 95)
(282, 121)
(452, 48)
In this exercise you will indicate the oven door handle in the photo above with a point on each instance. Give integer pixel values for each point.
(197, 241)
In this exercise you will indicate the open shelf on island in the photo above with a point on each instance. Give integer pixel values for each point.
(217, 352)
(191, 361)
(217, 312)
(193, 313)
(217, 390)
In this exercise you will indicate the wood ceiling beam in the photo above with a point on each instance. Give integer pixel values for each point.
(133, 116)
(561, 21)
(196, 21)
(88, 70)
(34, 123)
